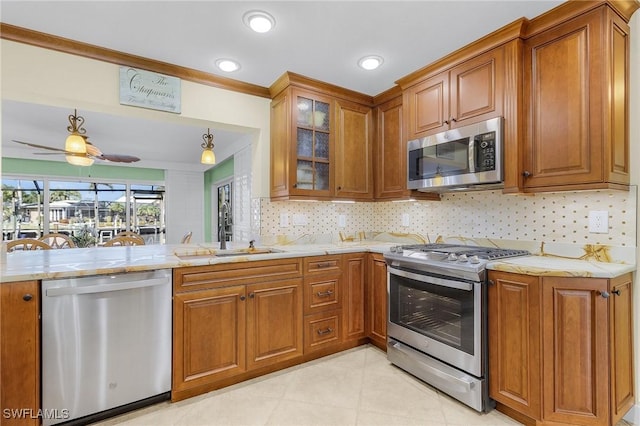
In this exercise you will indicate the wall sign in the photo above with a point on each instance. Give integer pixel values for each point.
(148, 89)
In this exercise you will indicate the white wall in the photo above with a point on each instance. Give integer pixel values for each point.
(41, 76)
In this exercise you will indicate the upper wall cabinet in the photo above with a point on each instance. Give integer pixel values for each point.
(318, 131)
(576, 92)
(467, 93)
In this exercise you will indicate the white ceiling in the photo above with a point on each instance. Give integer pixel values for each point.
(318, 39)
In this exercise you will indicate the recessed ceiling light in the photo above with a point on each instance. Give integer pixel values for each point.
(259, 21)
(227, 65)
(370, 62)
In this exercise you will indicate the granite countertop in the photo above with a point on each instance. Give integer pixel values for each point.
(51, 264)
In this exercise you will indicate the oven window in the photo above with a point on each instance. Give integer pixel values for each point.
(441, 313)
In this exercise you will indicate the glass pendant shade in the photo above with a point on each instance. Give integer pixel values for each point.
(79, 161)
(208, 157)
(75, 143)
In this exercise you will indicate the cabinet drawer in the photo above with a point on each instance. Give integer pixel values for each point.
(321, 295)
(322, 264)
(321, 330)
(236, 273)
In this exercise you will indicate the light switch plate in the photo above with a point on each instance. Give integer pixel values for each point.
(406, 220)
(342, 221)
(299, 220)
(284, 220)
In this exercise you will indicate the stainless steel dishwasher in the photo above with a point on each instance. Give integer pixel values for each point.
(106, 344)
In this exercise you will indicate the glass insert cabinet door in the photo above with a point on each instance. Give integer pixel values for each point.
(312, 144)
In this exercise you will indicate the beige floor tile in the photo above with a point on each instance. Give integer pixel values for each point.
(366, 418)
(296, 413)
(457, 414)
(239, 407)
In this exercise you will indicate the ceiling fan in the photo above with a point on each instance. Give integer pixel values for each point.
(78, 150)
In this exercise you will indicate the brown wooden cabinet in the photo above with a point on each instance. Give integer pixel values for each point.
(353, 307)
(467, 93)
(317, 131)
(376, 302)
(20, 352)
(230, 319)
(323, 295)
(391, 152)
(561, 349)
(576, 92)
(354, 145)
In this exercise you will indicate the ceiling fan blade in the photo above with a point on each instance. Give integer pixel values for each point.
(118, 158)
(34, 145)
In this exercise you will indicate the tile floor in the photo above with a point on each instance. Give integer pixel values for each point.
(355, 387)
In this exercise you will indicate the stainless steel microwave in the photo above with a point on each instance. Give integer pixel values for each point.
(469, 157)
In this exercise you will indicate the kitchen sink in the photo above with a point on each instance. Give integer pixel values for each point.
(230, 253)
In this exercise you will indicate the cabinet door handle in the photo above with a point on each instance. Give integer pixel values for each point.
(242, 297)
(27, 297)
(604, 294)
(526, 174)
(295, 185)
(324, 293)
(453, 120)
(616, 292)
(325, 331)
(252, 295)
(446, 122)
(339, 188)
(491, 282)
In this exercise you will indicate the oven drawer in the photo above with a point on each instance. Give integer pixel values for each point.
(322, 330)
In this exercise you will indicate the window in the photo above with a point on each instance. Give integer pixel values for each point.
(32, 208)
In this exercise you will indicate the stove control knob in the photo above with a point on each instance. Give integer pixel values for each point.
(452, 257)
(393, 249)
(474, 259)
(462, 258)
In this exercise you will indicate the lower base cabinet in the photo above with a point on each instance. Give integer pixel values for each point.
(235, 321)
(561, 349)
(20, 353)
(229, 320)
(376, 300)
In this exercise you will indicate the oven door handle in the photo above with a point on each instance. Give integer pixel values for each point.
(460, 285)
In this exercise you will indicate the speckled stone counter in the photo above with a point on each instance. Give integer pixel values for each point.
(594, 261)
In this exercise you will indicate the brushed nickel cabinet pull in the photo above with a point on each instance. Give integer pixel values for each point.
(325, 331)
(324, 293)
(324, 265)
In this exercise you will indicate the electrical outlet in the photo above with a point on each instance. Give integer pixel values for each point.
(599, 222)
(342, 221)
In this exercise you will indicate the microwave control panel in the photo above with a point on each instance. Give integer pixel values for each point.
(485, 148)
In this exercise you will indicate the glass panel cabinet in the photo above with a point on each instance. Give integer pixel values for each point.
(312, 140)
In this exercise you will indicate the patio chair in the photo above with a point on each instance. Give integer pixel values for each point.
(27, 244)
(124, 241)
(57, 241)
(130, 234)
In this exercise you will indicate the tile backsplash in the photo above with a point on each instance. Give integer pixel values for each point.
(560, 217)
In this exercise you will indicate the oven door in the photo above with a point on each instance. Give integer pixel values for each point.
(438, 316)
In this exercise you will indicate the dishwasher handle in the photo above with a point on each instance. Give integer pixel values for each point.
(102, 288)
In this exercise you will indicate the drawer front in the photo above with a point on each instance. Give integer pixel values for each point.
(322, 264)
(321, 295)
(322, 330)
(235, 273)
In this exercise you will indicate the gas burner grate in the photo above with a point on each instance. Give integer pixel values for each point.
(487, 253)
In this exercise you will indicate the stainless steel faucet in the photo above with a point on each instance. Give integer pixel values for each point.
(225, 223)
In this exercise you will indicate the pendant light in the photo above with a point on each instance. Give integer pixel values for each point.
(208, 156)
(76, 141)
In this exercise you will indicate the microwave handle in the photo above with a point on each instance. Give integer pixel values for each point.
(472, 155)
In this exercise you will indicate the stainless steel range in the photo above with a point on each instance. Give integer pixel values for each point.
(438, 318)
